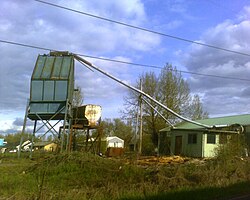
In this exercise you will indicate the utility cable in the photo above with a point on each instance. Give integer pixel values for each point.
(26, 45)
(124, 62)
(142, 29)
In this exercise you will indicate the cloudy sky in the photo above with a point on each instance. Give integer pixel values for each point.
(221, 23)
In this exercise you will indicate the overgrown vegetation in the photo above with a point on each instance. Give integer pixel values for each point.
(87, 176)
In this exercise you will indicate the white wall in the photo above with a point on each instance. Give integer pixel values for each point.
(210, 149)
(115, 142)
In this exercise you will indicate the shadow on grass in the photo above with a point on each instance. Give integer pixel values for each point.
(206, 193)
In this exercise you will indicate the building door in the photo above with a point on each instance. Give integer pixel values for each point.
(178, 145)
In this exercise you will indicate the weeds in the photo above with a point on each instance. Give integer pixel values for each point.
(87, 176)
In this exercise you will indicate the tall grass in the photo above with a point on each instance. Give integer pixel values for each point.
(87, 176)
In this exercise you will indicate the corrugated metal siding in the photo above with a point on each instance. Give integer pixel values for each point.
(57, 68)
(47, 68)
(39, 67)
(52, 83)
(53, 67)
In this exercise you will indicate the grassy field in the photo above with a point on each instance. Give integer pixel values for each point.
(87, 176)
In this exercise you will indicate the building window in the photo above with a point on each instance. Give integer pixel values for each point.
(211, 138)
(192, 138)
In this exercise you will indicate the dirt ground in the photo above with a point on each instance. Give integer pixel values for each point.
(162, 160)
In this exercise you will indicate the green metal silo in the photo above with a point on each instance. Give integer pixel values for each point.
(52, 87)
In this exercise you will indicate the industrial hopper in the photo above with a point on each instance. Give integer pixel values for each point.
(52, 86)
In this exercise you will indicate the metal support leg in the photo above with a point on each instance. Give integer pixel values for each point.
(64, 126)
(52, 128)
(71, 138)
(32, 141)
(87, 140)
(68, 145)
(23, 130)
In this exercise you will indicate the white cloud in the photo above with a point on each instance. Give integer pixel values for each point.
(6, 124)
(244, 14)
(42, 25)
(222, 95)
(30, 22)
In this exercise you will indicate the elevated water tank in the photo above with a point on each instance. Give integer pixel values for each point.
(52, 84)
(89, 116)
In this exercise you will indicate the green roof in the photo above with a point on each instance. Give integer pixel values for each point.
(218, 121)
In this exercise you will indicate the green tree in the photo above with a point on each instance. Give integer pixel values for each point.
(122, 130)
(168, 88)
(14, 139)
(151, 119)
(174, 92)
(148, 147)
(116, 127)
(152, 122)
(196, 109)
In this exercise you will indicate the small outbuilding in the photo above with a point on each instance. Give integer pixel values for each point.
(115, 146)
(45, 146)
(112, 146)
(115, 142)
(195, 141)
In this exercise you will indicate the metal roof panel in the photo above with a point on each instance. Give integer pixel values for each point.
(218, 121)
(53, 67)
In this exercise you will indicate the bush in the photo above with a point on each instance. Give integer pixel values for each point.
(148, 147)
(235, 147)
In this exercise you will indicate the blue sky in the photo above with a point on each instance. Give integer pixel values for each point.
(223, 23)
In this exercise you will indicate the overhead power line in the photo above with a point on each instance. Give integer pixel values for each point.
(26, 45)
(124, 62)
(142, 29)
